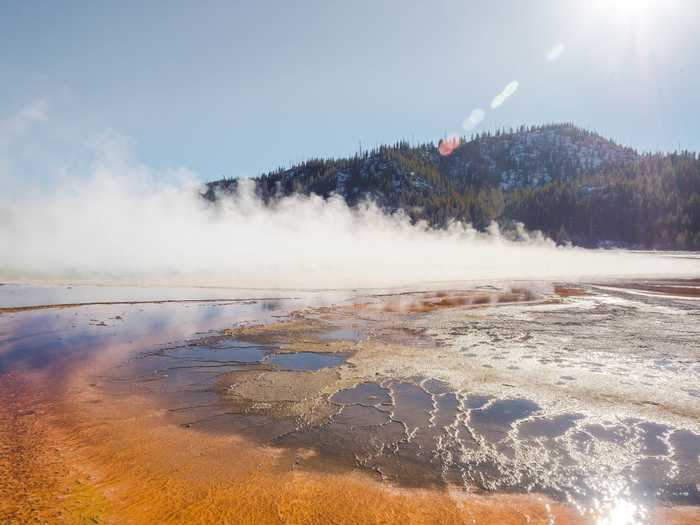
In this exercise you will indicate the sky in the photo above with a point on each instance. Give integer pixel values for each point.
(239, 88)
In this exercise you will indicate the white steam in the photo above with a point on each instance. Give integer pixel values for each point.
(121, 226)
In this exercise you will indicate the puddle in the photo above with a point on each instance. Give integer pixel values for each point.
(309, 361)
(360, 416)
(548, 427)
(369, 394)
(496, 420)
(412, 405)
(653, 440)
(232, 353)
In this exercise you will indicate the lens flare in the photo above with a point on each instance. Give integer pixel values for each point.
(508, 91)
(555, 52)
(475, 118)
(447, 145)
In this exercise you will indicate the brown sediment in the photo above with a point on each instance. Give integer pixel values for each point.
(37, 482)
(569, 291)
(429, 302)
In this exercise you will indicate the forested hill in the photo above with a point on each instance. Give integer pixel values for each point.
(572, 184)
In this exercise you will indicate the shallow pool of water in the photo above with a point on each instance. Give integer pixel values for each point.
(304, 360)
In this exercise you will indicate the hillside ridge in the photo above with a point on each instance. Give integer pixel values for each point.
(571, 183)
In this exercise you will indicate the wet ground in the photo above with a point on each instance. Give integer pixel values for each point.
(585, 394)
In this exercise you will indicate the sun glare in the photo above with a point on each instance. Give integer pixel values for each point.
(631, 8)
(630, 30)
(632, 11)
(628, 12)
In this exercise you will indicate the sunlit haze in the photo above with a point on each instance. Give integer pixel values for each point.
(236, 90)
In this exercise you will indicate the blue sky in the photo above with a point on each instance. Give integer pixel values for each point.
(236, 88)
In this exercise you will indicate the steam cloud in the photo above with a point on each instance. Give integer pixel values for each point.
(121, 226)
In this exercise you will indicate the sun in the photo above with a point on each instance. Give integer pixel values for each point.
(631, 8)
(629, 12)
(635, 22)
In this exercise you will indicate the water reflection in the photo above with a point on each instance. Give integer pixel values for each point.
(416, 431)
(620, 512)
(304, 360)
(41, 338)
